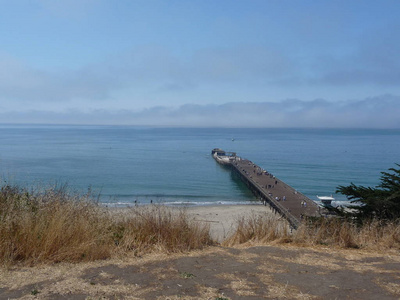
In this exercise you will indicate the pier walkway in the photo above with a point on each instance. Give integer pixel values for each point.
(287, 201)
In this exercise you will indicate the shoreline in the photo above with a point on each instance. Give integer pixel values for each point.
(179, 204)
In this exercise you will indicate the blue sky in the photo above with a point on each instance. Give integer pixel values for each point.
(201, 63)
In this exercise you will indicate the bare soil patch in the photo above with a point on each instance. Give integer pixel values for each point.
(252, 272)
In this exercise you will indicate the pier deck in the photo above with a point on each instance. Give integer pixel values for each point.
(287, 201)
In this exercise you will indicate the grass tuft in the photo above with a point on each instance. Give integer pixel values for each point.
(258, 227)
(158, 227)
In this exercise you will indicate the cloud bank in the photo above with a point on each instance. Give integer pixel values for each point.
(200, 63)
(377, 112)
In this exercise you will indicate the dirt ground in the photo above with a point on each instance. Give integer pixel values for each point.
(252, 272)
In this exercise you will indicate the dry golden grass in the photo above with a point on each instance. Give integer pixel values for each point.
(55, 225)
(374, 235)
(158, 227)
(260, 228)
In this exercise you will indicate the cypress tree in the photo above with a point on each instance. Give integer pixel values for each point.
(381, 202)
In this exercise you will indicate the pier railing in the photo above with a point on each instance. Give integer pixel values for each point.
(294, 222)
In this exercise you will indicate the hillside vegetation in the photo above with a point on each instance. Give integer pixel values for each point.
(54, 225)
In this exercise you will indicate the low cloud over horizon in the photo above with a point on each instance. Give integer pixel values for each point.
(375, 112)
(201, 63)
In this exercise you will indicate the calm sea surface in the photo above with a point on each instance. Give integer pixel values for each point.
(174, 165)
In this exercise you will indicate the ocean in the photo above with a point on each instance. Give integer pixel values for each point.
(126, 165)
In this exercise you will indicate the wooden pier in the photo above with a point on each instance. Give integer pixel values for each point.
(281, 197)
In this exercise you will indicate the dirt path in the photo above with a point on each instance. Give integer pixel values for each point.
(257, 272)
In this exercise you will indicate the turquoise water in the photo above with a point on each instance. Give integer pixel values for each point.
(174, 165)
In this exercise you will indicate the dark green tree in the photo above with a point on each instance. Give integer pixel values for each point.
(381, 202)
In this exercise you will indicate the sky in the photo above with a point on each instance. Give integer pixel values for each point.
(201, 63)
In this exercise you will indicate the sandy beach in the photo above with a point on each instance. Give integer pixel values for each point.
(223, 218)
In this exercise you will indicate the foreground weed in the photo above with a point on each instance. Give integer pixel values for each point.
(186, 275)
(35, 292)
